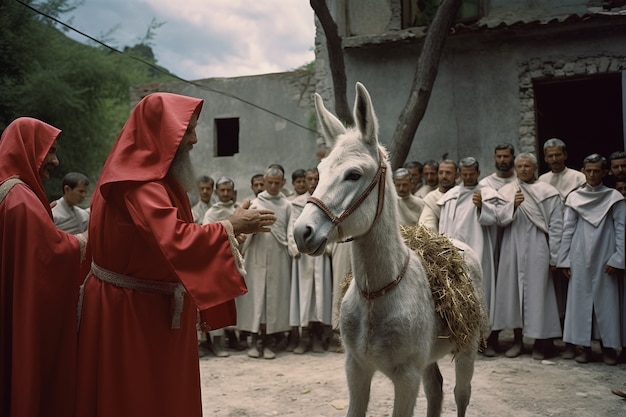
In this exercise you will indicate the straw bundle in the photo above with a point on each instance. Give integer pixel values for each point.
(456, 301)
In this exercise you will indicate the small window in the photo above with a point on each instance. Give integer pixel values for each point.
(227, 136)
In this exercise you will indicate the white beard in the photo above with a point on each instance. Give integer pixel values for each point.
(182, 171)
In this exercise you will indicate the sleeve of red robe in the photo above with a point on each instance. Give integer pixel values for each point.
(39, 278)
(200, 256)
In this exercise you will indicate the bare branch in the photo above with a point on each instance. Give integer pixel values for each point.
(425, 75)
(335, 59)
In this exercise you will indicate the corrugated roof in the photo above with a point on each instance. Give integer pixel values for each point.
(498, 19)
(502, 18)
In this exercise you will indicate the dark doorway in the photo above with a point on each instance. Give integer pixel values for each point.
(584, 113)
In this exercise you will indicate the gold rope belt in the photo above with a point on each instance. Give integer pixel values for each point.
(162, 287)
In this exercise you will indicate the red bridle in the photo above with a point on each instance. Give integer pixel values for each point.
(379, 178)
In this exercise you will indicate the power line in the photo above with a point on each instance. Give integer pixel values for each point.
(161, 70)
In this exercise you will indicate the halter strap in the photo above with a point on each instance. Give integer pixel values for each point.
(379, 179)
(393, 284)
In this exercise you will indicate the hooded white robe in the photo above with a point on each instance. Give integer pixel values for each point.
(593, 237)
(268, 267)
(461, 219)
(525, 296)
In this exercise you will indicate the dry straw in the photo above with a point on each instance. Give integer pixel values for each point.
(456, 300)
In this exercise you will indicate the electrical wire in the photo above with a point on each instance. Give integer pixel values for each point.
(161, 70)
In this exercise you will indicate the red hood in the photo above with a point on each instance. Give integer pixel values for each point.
(148, 141)
(23, 147)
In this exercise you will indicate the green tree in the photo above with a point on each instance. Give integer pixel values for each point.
(81, 89)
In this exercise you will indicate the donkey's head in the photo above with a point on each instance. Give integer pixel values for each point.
(346, 201)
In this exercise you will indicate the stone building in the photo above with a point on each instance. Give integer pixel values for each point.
(518, 71)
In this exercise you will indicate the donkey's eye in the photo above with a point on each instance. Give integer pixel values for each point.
(353, 176)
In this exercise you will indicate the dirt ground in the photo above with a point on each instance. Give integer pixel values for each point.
(314, 385)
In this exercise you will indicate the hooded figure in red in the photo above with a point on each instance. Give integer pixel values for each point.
(39, 280)
(153, 268)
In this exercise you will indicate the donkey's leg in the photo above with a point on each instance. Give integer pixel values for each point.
(464, 370)
(433, 389)
(406, 384)
(359, 382)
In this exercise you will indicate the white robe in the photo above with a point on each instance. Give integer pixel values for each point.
(215, 213)
(593, 236)
(496, 182)
(565, 181)
(71, 219)
(219, 211)
(311, 280)
(461, 219)
(198, 211)
(268, 267)
(409, 210)
(423, 190)
(431, 211)
(525, 296)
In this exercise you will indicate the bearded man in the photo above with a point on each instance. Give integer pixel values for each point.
(39, 279)
(447, 174)
(152, 268)
(503, 156)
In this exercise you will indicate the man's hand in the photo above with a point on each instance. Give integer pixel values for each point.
(246, 220)
(614, 272)
(519, 198)
(477, 199)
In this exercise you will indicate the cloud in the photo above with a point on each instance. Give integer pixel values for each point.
(205, 39)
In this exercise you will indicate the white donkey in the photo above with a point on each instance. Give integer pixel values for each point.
(388, 321)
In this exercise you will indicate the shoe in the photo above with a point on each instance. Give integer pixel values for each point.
(514, 351)
(268, 353)
(238, 345)
(538, 355)
(548, 349)
(317, 345)
(303, 346)
(217, 349)
(203, 351)
(622, 356)
(253, 352)
(609, 356)
(233, 341)
(489, 352)
(584, 357)
(293, 344)
(569, 352)
(219, 352)
(281, 344)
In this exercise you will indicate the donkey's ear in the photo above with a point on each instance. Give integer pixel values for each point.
(330, 125)
(364, 115)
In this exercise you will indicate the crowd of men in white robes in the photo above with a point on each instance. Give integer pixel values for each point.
(291, 303)
(552, 247)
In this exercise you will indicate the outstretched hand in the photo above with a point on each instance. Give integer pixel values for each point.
(247, 220)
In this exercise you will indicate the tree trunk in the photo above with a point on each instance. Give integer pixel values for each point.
(335, 60)
(425, 75)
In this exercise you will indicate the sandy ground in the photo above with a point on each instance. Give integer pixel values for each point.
(313, 384)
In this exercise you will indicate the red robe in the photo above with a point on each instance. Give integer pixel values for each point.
(131, 361)
(39, 280)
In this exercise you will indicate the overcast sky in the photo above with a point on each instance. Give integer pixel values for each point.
(206, 38)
